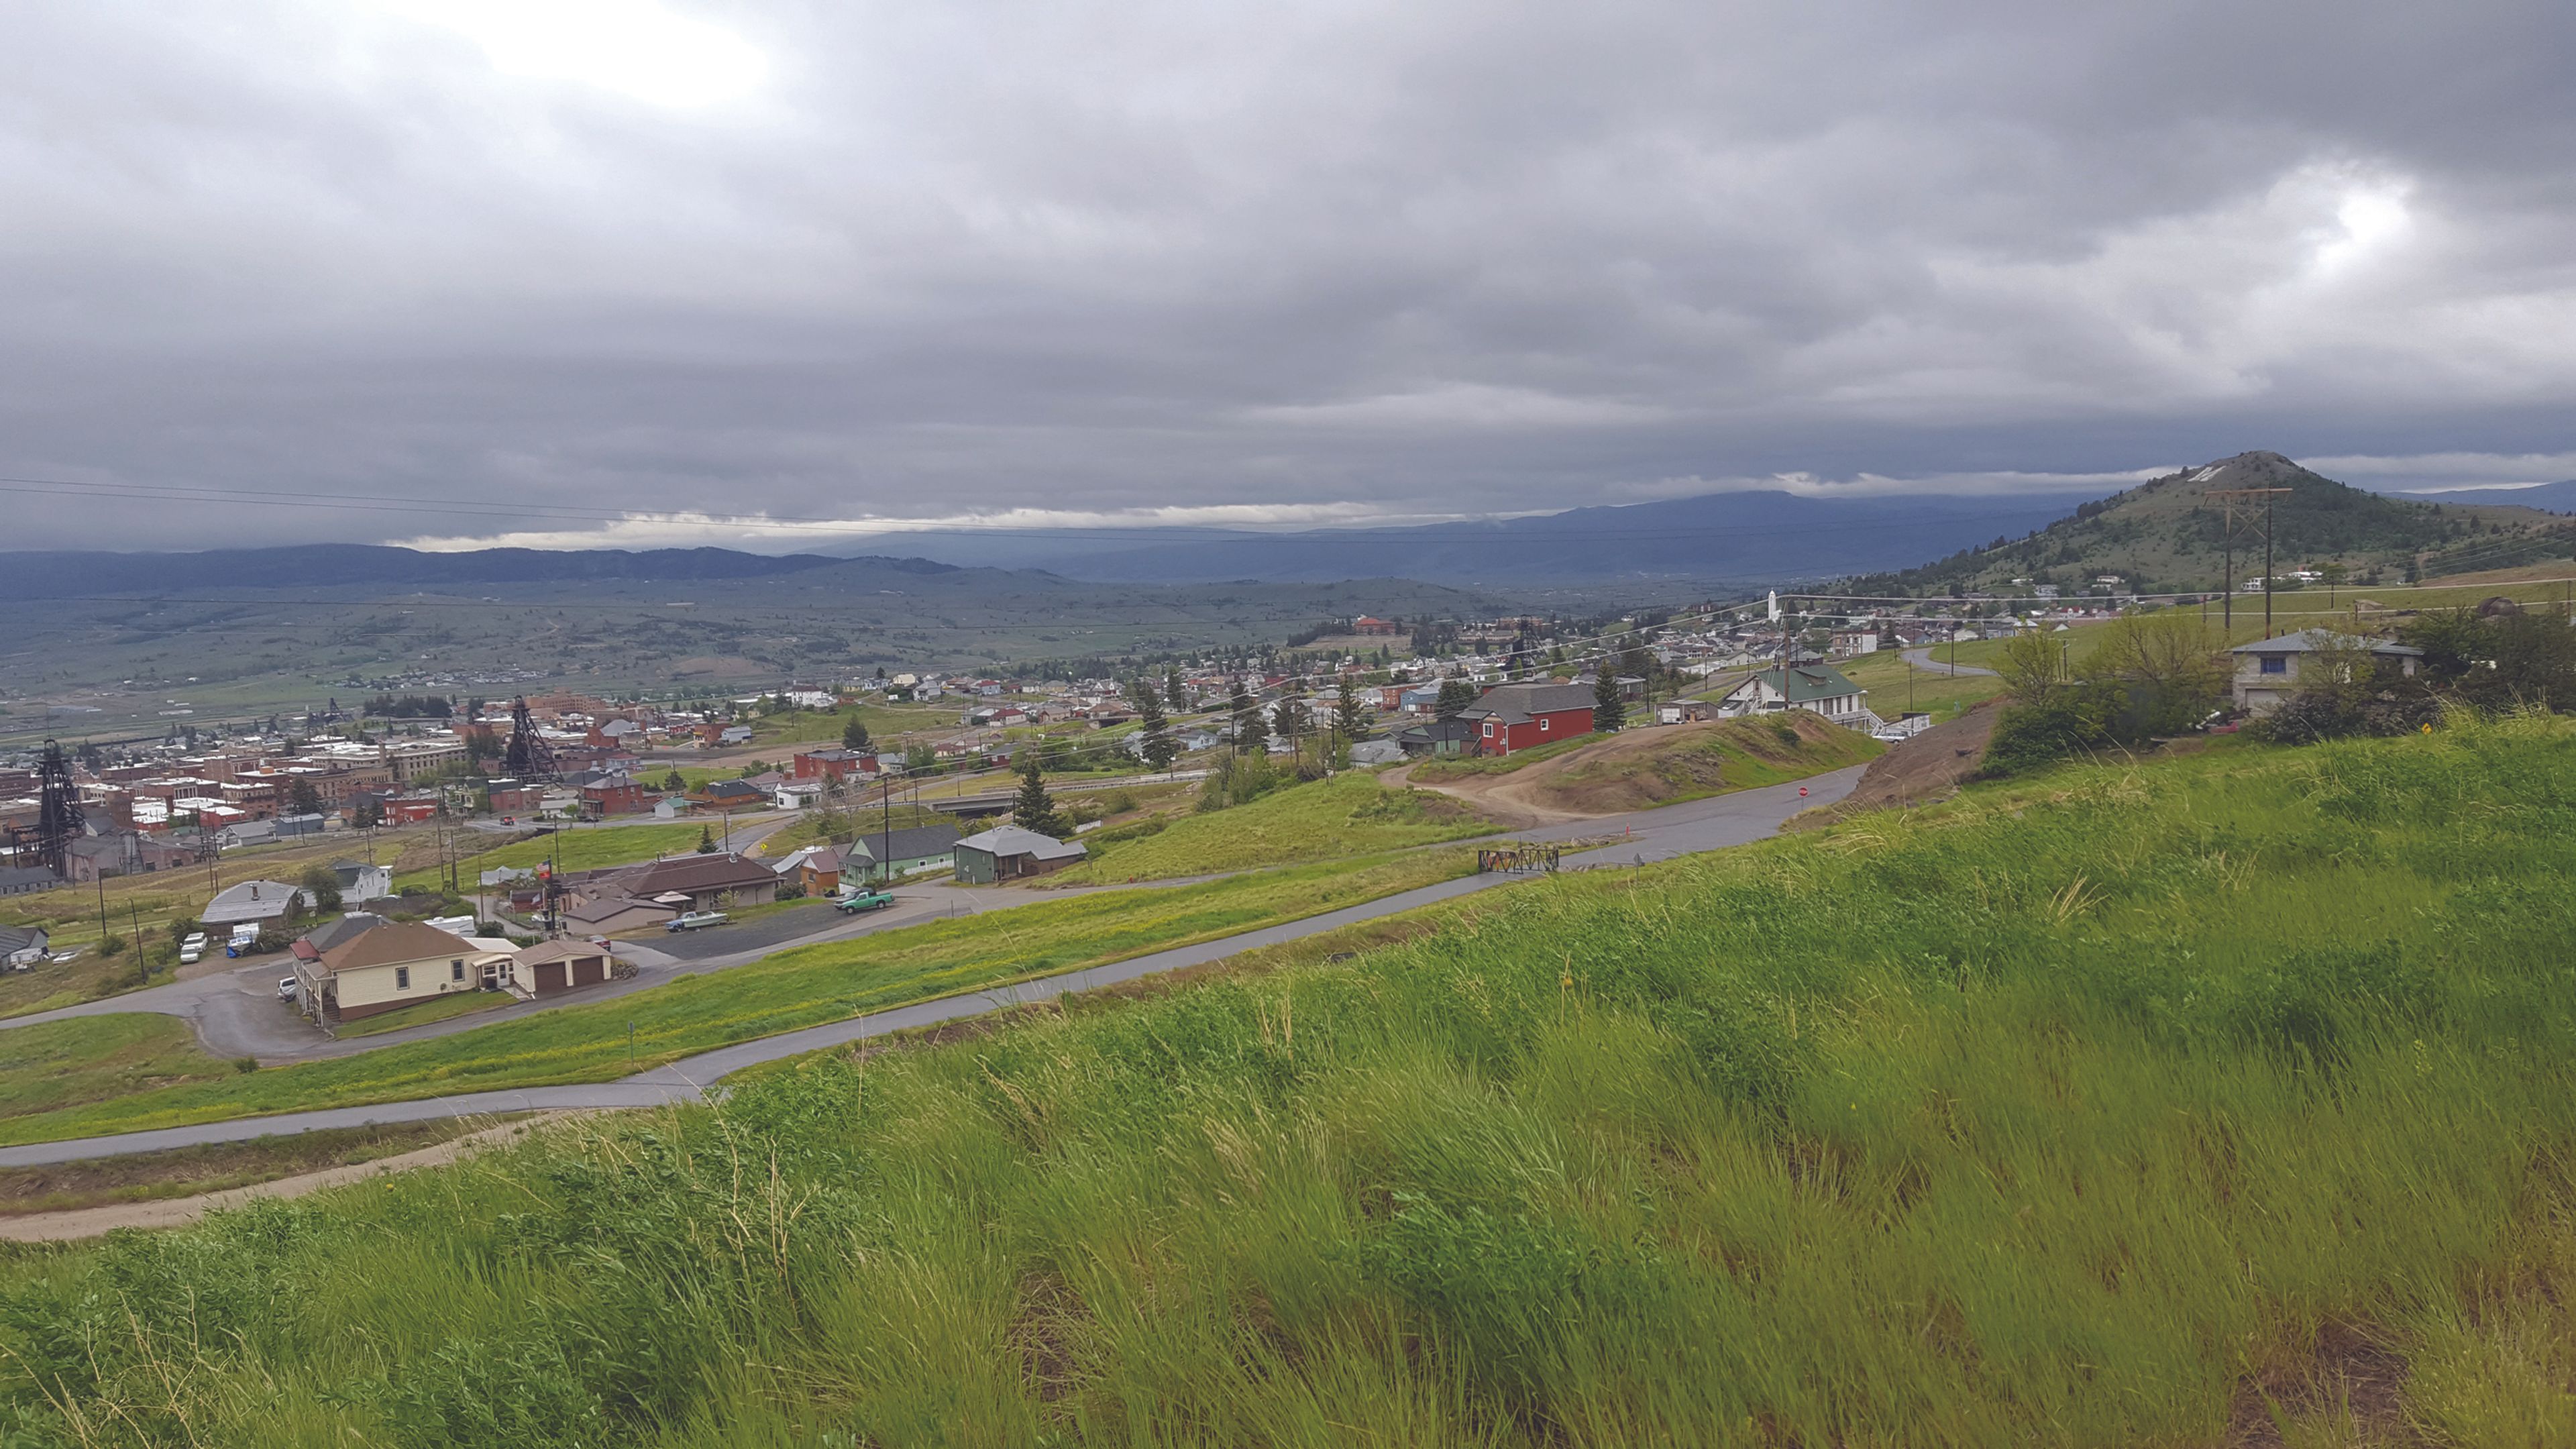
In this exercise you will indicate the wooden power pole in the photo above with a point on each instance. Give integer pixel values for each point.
(2227, 499)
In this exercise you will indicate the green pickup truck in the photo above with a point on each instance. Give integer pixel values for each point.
(851, 905)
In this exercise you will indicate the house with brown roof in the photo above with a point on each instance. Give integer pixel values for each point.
(709, 882)
(392, 966)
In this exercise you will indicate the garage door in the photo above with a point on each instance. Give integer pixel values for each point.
(589, 970)
(550, 977)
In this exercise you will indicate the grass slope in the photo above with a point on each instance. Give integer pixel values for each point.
(1348, 814)
(2180, 1105)
(795, 988)
(63, 1064)
(580, 848)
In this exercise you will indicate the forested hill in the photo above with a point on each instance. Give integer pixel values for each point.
(2170, 535)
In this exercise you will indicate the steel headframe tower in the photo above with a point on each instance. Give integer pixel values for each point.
(58, 811)
(528, 756)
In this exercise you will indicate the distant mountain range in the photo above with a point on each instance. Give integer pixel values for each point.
(1715, 540)
(2170, 534)
(2552, 497)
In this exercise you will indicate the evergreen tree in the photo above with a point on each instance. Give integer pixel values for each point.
(1034, 810)
(706, 840)
(854, 735)
(1455, 695)
(1250, 734)
(1156, 744)
(1608, 711)
(302, 798)
(1173, 694)
(1288, 721)
(1347, 719)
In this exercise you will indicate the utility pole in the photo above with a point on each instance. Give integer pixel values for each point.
(2228, 498)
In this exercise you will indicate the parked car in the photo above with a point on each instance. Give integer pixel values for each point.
(851, 905)
(286, 988)
(509, 819)
(191, 955)
(695, 921)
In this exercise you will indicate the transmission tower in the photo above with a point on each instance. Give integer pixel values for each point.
(58, 811)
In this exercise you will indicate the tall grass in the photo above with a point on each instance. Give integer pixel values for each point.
(2068, 1113)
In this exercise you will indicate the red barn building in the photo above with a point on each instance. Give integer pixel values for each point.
(1520, 716)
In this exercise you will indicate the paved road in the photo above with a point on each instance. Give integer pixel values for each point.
(1645, 836)
(236, 1013)
(1922, 659)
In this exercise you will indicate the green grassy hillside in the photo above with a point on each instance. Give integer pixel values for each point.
(1349, 814)
(2168, 534)
(2224, 1101)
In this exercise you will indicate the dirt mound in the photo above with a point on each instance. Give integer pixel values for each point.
(1656, 765)
(1930, 766)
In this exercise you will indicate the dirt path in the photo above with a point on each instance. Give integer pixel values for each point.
(94, 1222)
(1491, 797)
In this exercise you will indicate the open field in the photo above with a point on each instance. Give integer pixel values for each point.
(794, 988)
(2222, 1101)
(1348, 814)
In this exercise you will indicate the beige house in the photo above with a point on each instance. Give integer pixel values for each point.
(384, 969)
(2267, 670)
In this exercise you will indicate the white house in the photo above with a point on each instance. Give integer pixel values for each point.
(22, 948)
(1816, 688)
(255, 902)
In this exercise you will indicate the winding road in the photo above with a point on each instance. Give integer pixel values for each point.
(1643, 837)
(1922, 659)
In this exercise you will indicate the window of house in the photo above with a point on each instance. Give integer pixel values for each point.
(1542, 726)
(2276, 664)
(402, 978)
(455, 970)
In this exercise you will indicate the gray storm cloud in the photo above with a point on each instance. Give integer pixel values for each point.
(1330, 261)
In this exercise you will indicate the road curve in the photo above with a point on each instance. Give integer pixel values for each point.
(1922, 659)
(1644, 837)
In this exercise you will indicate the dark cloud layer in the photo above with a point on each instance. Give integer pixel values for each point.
(1251, 262)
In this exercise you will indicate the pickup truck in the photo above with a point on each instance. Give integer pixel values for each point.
(852, 904)
(695, 921)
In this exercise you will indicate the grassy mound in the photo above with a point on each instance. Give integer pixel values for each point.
(2188, 1104)
(1643, 768)
(1349, 814)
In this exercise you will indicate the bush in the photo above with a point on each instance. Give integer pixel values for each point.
(2313, 715)
(1246, 778)
(245, 1065)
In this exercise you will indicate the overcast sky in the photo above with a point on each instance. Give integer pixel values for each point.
(546, 262)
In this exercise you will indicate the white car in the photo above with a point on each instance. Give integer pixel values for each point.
(695, 920)
(286, 988)
(191, 955)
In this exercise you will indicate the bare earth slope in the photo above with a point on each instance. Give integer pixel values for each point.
(1655, 765)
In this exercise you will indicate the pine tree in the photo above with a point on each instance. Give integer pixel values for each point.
(1347, 718)
(854, 735)
(706, 840)
(1173, 694)
(1608, 711)
(1156, 744)
(1250, 734)
(1455, 695)
(1034, 809)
